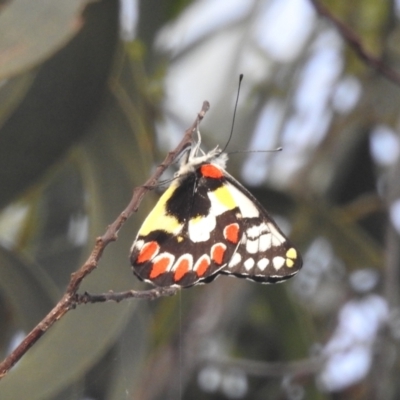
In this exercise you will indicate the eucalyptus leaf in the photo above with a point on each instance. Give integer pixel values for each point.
(30, 32)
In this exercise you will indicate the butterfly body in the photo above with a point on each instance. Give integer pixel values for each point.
(206, 224)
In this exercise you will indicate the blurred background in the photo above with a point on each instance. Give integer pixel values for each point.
(92, 97)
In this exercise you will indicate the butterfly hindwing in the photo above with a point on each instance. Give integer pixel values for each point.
(192, 232)
(264, 254)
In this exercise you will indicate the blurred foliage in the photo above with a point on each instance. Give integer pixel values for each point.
(79, 113)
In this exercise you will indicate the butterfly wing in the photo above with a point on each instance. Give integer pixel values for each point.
(192, 232)
(264, 253)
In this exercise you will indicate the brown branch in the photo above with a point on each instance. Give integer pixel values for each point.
(70, 299)
(354, 42)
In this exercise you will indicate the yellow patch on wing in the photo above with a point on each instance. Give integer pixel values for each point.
(291, 255)
(224, 196)
(289, 263)
(158, 218)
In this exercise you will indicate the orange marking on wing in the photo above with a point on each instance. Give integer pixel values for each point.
(231, 233)
(211, 171)
(160, 266)
(148, 251)
(202, 265)
(181, 269)
(218, 252)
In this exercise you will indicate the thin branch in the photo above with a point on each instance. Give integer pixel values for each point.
(151, 294)
(354, 42)
(70, 298)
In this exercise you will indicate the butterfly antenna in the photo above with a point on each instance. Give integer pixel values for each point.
(234, 113)
(256, 151)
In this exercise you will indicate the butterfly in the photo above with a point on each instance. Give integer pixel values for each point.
(206, 224)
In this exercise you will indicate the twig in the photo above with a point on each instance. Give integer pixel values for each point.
(355, 43)
(151, 294)
(70, 298)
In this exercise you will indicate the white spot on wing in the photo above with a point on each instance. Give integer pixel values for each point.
(137, 245)
(265, 242)
(252, 246)
(235, 260)
(263, 263)
(200, 229)
(275, 241)
(278, 262)
(249, 264)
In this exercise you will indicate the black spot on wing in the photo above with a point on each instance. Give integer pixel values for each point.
(190, 198)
